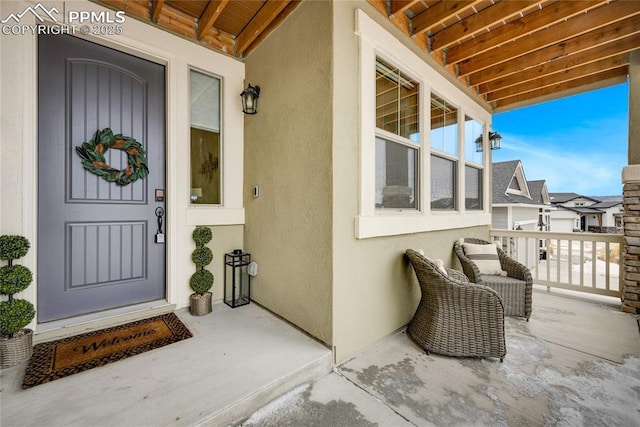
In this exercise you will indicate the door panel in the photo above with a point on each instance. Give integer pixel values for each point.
(96, 248)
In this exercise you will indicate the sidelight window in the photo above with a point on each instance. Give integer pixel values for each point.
(205, 139)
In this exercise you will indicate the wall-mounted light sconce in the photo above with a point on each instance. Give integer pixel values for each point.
(495, 141)
(250, 99)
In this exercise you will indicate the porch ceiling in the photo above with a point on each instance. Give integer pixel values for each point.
(509, 52)
(234, 27)
(518, 52)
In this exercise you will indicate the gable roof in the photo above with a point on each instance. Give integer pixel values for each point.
(558, 198)
(503, 174)
(607, 204)
(615, 198)
(538, 190)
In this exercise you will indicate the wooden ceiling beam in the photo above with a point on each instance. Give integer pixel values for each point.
(616, 75)
(439, 13)
(548, 15)
(260, 21)
(585, 23)
(480, 21)
(607, 50)
(607, 34)
(156, 8)
(209, 16)
(399, 6)
(401, 21)
(563, 76)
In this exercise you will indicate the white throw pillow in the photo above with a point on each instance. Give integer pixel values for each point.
(438, 262)
(484, 256)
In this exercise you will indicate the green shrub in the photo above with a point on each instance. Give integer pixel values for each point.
(202, 256)
(202, 235)
(13, 247)
(201, 281)
(15, 315)
(14, 279)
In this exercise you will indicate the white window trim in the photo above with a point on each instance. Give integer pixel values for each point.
(376, 41)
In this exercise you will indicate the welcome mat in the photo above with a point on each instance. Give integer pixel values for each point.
(57, 359)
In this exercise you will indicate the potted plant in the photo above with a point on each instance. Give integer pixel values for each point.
(16, 343)
(202, 280)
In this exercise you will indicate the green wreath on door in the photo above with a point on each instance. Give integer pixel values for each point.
(93, 160)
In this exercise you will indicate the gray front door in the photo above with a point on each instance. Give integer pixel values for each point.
(96, 239)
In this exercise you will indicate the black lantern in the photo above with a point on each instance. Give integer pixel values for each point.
(237, 283)
(250, 99)
(495, 140)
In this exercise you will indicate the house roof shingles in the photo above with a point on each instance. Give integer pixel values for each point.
(503, 173)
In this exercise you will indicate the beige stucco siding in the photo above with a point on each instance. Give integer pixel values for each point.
(374, 289)
(288, 155)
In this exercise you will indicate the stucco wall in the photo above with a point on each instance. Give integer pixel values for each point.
(18, 143)
(375, 292)
(288, 155)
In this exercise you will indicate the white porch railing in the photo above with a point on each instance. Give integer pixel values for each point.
(584, 262)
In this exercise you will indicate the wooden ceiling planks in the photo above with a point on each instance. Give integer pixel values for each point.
(505, 51)
(517, 52)
(234, 27)
(211, 13)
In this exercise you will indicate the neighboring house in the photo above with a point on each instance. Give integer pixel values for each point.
(584, 213)
(612, 208)
(362, 146)
(518, 204)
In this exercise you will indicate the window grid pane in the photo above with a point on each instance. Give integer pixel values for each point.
(397, 105)
(443, 183)
(444, 126)
(473, 130)
(473, 188)
(396, 175)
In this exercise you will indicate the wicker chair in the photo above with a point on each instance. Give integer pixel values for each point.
(455, 317)
(515, 288)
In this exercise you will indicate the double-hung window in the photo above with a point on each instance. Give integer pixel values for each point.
(418, 170)
(397, 138)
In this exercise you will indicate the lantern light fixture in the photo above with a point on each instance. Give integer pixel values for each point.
(495, 141)
(250, 99)
(237, 283)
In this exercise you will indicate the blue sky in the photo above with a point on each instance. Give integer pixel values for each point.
(577, 144)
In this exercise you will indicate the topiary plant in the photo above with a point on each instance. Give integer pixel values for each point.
(202, 256)
(201, 281)
(14, 279)
(202, 235)
(15, 314)
(13, 247)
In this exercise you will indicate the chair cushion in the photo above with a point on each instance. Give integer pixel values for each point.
(437, 262)
(484, 256)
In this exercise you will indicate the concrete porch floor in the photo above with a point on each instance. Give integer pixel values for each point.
(574, 363)
(237, 360)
